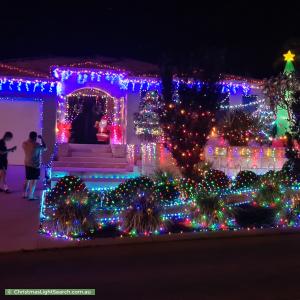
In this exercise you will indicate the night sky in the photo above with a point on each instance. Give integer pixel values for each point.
(239, 37)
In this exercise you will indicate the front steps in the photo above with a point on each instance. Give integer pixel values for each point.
(100, 166)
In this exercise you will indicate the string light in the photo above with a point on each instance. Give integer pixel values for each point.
(117, 201)
(22, 71)
(127, 82)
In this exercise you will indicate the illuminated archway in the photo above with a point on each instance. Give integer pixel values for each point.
(114, 112)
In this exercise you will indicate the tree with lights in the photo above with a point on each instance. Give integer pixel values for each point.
(238, 127)
(281, 92)
(295, 124)
(266, 122)
(187, 121)
(146, 121)
(284, 95)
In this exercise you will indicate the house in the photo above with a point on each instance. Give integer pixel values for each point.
(49, 95)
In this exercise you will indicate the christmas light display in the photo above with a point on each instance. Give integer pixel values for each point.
(122, 195)
(165, 188)
(213, 181)
(280, 91)
(68, 209)
(19, 85)
(82, 75)
(209, 211)
(188, 123)
(238, 128)
(246, 179)
(137, 209)
(143, 215)
(146, 122)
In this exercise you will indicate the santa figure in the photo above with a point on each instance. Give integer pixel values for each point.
(103, 130)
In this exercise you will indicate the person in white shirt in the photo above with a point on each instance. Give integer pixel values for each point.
(32, 150)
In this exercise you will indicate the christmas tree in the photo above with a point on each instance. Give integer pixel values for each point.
(283, 114)
(146, 121)
(280, 91)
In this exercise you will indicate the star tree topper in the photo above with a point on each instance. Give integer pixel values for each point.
(289, 56)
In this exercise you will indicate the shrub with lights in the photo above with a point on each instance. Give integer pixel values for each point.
(213, 181)
(165, 187)
(123, 195)
(246, 180)
(187, 188)
(69, 209)
(290, 172)
(145, 206)
(208, 211)
(143, 215)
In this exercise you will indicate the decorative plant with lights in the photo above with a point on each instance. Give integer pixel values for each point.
(143, 215)
(146, 121)
(123, 195)
(187, 188)
(69, 209)
(245, 180)
(269, 195)
(238, 127)
(187, 121)
(213, 181)
(165, 187)
(209, 211)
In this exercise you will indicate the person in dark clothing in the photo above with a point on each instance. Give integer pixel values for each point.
(33, 151)
(3, 160)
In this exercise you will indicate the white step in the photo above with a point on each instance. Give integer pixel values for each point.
(83, 170)
(90, 154)
(89, 164)
(93, 159)
(89, 148)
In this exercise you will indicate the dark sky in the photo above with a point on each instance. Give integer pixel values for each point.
(239, 37)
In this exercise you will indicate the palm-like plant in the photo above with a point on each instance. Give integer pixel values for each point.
(73, 217)
(143, 215)
(269, 195)
(209, 210)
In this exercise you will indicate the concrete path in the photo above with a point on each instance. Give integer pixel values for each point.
(19, 218)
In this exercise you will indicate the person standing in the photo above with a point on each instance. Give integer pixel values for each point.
(3, 160)
(32, 150)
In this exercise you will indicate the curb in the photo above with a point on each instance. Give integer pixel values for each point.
(46, 243)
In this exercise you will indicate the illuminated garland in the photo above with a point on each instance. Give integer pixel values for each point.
(126, 82)
(9, 84)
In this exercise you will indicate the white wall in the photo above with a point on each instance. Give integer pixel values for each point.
(133, 100)
(19, 117)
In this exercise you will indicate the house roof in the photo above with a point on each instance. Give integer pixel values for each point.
(40, 67)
